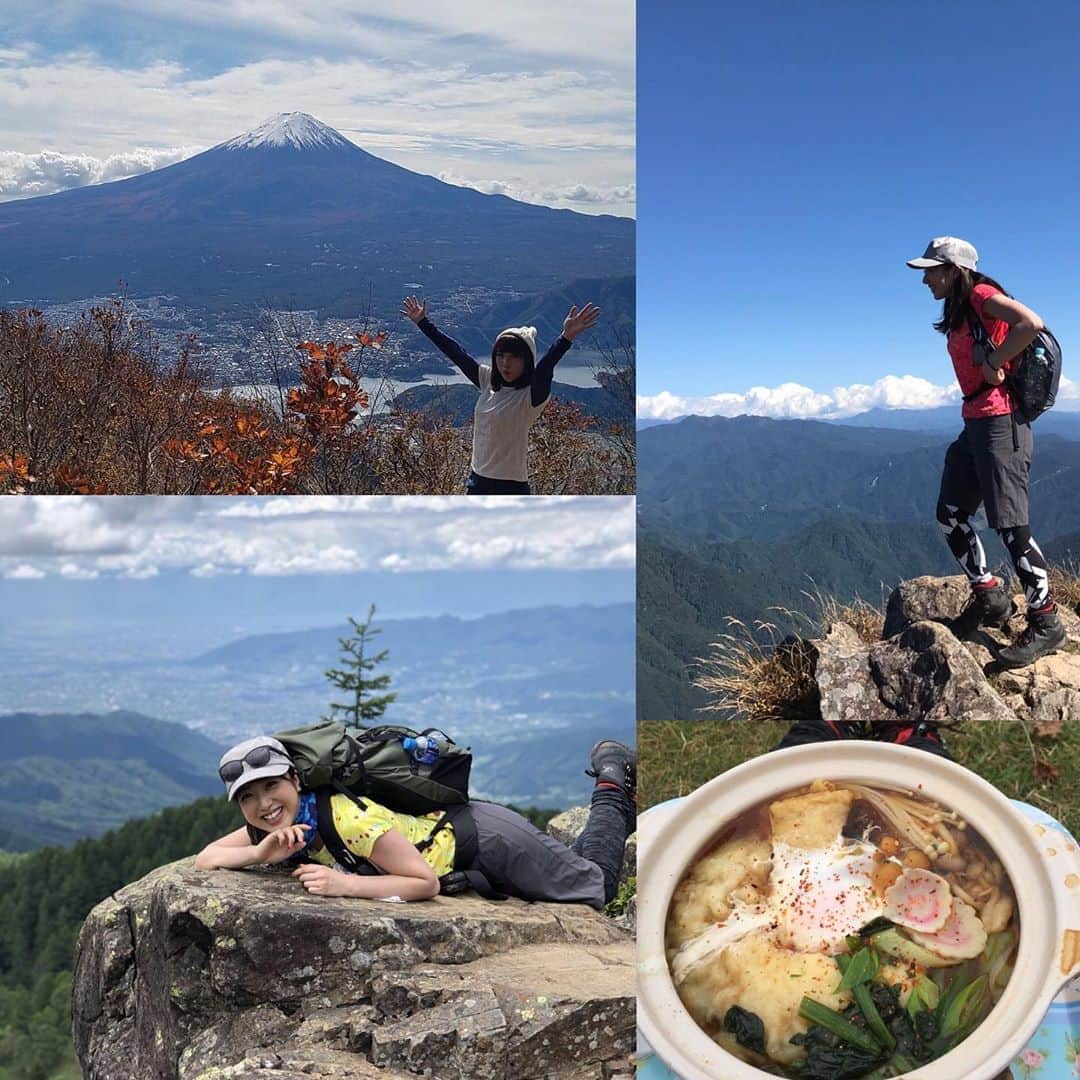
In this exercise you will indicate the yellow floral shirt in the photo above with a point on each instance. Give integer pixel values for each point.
(359, 829)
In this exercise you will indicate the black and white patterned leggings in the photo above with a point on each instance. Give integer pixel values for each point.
(1027, 558)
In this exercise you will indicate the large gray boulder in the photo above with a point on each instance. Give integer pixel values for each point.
(190, 975)
(845, 682)
(924, 673)
(921, 674)
(1046, 694)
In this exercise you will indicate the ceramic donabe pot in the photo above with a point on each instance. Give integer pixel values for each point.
(1043, 866)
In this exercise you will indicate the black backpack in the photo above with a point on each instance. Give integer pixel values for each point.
(1036, 372)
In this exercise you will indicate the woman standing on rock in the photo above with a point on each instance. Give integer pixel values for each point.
(485, 843)
(990, 461)
(513, 392)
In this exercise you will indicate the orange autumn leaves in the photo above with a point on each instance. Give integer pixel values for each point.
(248, 453)
(95, 408)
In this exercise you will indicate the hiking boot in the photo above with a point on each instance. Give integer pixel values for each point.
(1042, 635)
(990, 605)
(923, 735)
(613, 763)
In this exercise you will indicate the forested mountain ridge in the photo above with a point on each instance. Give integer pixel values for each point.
(65, 776)
(748, 518)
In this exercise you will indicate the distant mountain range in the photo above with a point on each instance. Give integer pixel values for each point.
(741, 517)
(457, 401)
(293, 214)
(945, 419)
(615, 296)
(530, 690)
(66, 776)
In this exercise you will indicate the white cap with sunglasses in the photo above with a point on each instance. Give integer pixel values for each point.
(253, 760)
(946, 249)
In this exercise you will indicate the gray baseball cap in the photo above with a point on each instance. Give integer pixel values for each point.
(252, 760)
(946, 249)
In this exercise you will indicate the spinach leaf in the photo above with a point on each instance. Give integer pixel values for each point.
(747, 1027)
(827, 1058)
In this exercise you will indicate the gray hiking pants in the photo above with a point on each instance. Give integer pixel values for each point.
(520, 860)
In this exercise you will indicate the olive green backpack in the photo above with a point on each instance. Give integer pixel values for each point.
(374, 762)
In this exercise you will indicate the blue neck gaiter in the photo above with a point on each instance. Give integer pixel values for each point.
(308, 814)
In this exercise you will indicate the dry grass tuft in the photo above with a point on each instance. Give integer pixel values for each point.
(1065, 585)
(865, 619)
(752, 674)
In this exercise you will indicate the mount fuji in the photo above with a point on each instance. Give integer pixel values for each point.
(294, 214)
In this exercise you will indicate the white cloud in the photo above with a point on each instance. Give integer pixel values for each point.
(498, 97)
(76, 572)
(135, 537)
(601, 31)
(570, 196)
(793, 400)
(23, 572)
(1069, 392)
(24, 176)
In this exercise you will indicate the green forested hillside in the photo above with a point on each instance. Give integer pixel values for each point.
(708, 479)
(738, 517)
(66, 776)
(44, 898)
(616, 297)
(685, 597)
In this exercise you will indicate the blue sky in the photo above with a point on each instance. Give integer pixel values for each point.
(534, 100)
(792, 156)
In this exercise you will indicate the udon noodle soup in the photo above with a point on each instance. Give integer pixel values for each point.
(843, 931)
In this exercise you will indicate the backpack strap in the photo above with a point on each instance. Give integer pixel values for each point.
(430, 838)
(466, 848)
(331, 838)
(466, 856)
(982, 338)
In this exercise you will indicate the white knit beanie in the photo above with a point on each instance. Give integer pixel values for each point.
(526, 333)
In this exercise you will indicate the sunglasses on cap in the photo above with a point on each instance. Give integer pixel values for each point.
(256, 757)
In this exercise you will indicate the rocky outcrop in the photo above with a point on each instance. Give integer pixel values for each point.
(920, 671)
(1046, 694)
(189, 975)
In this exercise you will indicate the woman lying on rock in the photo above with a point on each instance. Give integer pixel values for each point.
(411, 855)
(514, 389)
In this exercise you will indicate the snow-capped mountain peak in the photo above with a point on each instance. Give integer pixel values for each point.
(295, 129)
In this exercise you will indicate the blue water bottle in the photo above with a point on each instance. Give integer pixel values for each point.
(424, 748)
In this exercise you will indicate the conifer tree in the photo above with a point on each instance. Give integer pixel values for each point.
(354, 676)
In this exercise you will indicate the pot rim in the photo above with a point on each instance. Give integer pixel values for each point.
(1037, 872)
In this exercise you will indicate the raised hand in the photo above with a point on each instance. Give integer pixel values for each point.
(414, 309)
(576, 321)
(281, 843)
